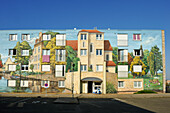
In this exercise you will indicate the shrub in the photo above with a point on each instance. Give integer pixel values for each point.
(145, 91)
(110, 88)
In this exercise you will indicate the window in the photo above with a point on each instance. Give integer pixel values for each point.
(60, 55)
(136, 36)
(83, 52)
(122, 40)
(35, 58)
(60, 39)
(122, 70)
(83, 44)
(38, 57)
(25, 52)
(45, 67)
(83, 36)
(24, 67)
(137, 84)
(99, 68)
(123, 55)
(38, 65)
(107, 57)
(137, 68)
(98, 36)
(11, 67)
(35, 66)
(12, 37)
(38, 49)
(98, 51)
(120, 84)
(46, 52)
(137, 52)
(35, 50)
(83, 67)
(12, 52)
(61, 83)
(25, 37)
(60, 70)
(46, 37)
(91, 48)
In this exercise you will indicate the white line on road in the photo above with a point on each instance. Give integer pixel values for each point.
(14, 103)
(92, 104)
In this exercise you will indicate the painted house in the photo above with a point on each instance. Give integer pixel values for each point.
(132, 60)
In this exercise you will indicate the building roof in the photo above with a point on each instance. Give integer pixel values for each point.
(110, 63)
(90, 31)
(73, 44)
(107, 46)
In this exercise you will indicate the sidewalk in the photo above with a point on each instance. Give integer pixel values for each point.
(56, 95)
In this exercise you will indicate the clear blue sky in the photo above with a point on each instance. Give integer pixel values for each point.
(66, 14)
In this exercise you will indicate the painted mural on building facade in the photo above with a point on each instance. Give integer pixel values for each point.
(132, 58)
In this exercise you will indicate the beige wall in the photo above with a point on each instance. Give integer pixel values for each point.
(112, 78)
(7, 64)
(129, 85)
(163, 61)
(108, 53)
(111, 69)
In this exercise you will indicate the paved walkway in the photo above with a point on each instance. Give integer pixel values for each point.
(56, 95)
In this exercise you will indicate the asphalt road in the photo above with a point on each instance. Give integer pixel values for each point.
(47, 105)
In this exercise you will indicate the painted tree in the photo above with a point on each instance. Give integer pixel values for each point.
(150, 61)
(71, 59)
(32, 67)
(138, 61)
(1, 65)
(130, 58)
(115, 54)
(19, 47)
(131, 53)
(144, 60)
(157, 59)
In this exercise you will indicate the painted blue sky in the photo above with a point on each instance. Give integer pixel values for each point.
(103, 14)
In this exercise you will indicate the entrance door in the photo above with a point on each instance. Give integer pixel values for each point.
(90, 86)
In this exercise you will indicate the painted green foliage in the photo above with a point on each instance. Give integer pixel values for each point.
(138, 61)
(144, 60)
(71, 59)
(19, 47)
(32, 67)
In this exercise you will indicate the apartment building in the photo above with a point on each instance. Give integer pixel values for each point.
(95, 56)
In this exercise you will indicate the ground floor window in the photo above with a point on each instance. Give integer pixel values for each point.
(121, 84)
(61, 83)
(137, 84)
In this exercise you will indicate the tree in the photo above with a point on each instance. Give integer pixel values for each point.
(130, 59)
(32, 67)
(157, 59)
(144, 60)
(71, 58)
(19, 47)
(150, 60)
(138, 61)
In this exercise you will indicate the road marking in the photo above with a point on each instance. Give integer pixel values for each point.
(14, 103)
(119, 100)
(92, 104)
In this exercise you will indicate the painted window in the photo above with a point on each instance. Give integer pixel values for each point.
(122, 40)
(137, 84)
(98, 36)
(38, 57)
(122, 55)
(136, 36)
(83, 67)
(46, 52)
(99, 67)
(35, 50)
(45, 67)
(25, 52)
(83, 36)
(38, 65)
(38, 49)
(91, 48)
(35, 66)
(61, 83)
(25, 37)
(60, 55)
(137, 52)
(60, 39)
(60, 70)
(13, 37)
(98, 51)
(11, 67)
(24, 67)
(46, 37)
(107, 57)
(137, 68)
(12, 52)
(83, 52)
(122, 70)
(120, 84)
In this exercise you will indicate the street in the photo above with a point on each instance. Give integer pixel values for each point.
(85, 105)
